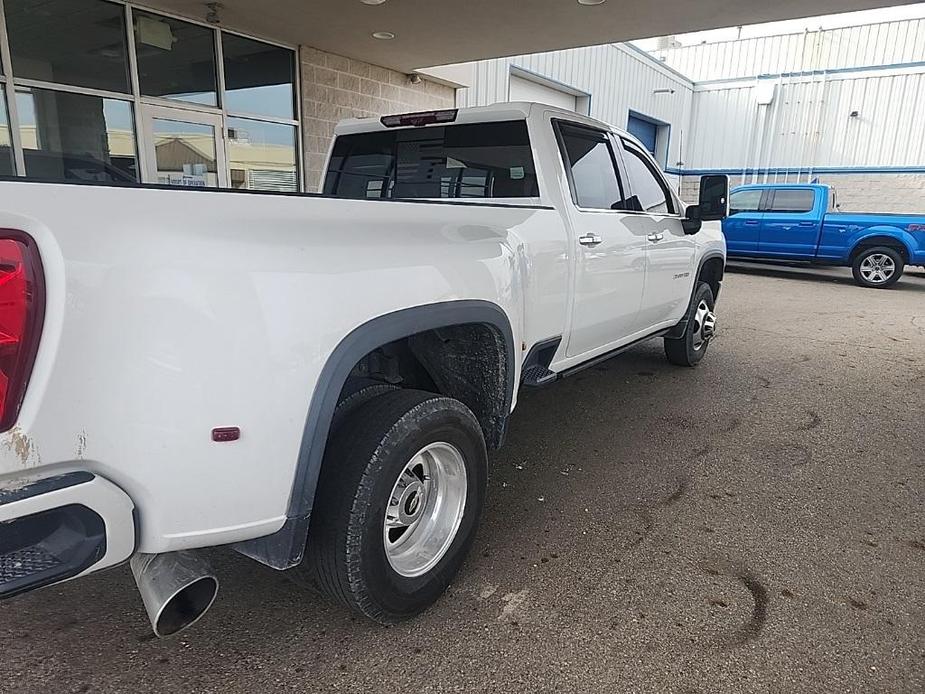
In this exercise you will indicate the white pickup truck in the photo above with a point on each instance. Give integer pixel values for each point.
(314, 380)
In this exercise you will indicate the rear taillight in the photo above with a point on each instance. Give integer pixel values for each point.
(22, 309)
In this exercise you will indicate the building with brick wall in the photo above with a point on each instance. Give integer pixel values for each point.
(239, 96)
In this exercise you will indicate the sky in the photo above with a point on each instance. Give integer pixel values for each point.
(885, 14)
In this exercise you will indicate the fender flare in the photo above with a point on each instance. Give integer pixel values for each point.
(678, 330)
(284, 549)
(894, 234)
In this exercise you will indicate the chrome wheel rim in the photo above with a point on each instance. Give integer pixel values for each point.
(877, 268)
(704, 325)
(425, 509)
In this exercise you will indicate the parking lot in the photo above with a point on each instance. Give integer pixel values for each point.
(754, 524)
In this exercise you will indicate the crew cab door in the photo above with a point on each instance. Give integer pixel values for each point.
(790, 227)
(743, 225)
(609, 243)
(669, 251)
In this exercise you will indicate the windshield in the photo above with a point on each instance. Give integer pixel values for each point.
(479, 160)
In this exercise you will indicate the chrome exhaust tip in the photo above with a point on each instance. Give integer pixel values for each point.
(177, 588)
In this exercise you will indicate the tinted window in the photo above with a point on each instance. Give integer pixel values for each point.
(75, 136)
(791, 200)
(6, 151)
(176, 60)
(259, 78)
(745, 201)
(594, 177)
(78, 42)
(484, 160)
(261, 156)
(648, 188)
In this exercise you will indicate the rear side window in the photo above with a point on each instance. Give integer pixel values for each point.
(793, 201)
(481, 160)
(744, 201)
(649, 188)
(594, 176)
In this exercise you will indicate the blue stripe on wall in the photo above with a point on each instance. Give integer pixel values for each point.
(804, 170)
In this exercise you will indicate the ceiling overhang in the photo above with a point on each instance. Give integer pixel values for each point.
(438, 32)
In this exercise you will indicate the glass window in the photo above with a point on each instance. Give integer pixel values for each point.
(745, 201)
(482, 160)
(176, 60)
(184, 153)
(6, 149)
(75, 136)
(649, 188)
(792, 200)
(262, 156)
(76, 42)
(259, 78)
(594, 176)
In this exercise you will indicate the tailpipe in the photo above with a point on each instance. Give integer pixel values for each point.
(177, 588)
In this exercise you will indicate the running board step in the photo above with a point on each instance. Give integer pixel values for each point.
(538, 375)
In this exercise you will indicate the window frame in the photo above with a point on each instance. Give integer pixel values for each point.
(762, 200)
(772, 196)
(388, 179)
(139, 102)
(607, 137)
(674, 205)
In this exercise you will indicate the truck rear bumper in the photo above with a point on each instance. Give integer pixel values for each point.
(56, 528)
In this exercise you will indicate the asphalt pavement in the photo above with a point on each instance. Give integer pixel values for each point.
(752, 525)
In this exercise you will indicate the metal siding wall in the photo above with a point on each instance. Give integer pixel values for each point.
(808, 124)
(721, 126)
(889, 43)
(618, 78)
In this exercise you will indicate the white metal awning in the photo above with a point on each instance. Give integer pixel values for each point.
(438, 32)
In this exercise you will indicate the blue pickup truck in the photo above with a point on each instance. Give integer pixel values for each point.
(800, 223)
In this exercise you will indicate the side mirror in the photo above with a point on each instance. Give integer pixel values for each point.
(714, 198)
(691, 220)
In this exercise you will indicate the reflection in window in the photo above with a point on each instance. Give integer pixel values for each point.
(745, 201)
(477, 160)
(76, 42)
(6, 150)
(593, 174)
(176, 60)
(76, 137)
(259, 78)
(185, 153)
(262, 156)
(650, 191)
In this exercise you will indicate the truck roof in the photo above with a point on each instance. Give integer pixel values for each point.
(763, 186)
(512, 110)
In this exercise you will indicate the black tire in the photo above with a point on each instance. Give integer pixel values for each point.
(681, 351)
(894, 255)
(346, 556)
(360, 392)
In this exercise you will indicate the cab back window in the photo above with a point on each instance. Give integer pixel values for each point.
(480, 160)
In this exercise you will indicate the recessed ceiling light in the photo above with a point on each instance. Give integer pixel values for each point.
(591, 2)
(383, 35)
(373, 2)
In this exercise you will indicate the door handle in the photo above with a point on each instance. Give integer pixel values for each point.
(655, 238)
(807, 224)
(589, 240)
(751, 222)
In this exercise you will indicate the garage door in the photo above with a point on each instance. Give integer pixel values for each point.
(528, 90)
(646, 131)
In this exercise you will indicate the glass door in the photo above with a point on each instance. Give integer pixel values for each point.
(184, 148)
